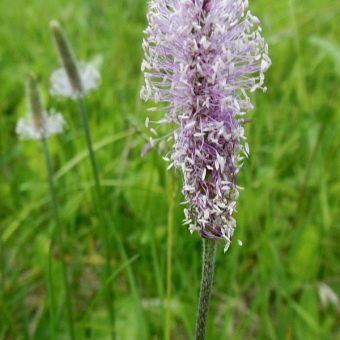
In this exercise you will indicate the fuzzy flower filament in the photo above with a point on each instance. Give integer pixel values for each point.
(202, 57)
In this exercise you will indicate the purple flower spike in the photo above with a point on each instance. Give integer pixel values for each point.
(202, 57)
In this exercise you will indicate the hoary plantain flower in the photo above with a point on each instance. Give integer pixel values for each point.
(38, 123)
(202, 58)
(74, 78)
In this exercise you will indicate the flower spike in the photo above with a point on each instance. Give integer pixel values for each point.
(74, 78)
(202, 59)
(38, 123)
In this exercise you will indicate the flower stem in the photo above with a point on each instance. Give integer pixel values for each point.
(109, 294)
(208, 267)
(168, 314)
(58, 233)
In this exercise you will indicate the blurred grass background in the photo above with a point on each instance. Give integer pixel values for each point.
(288, 214)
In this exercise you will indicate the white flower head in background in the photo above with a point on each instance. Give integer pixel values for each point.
(61, 85)
(75, 78)
(38, 123)
(328, 296)
(52, 123)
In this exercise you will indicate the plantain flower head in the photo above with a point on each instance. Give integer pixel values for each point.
(202, 58)
(74, 78)
(38, 123)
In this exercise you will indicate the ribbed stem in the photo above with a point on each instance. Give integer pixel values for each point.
(208, 267)
(109, 294)
(168, 314)
(2, 274)
(54, 205)
(51, 298)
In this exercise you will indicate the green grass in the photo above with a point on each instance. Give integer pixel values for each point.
(288, 215)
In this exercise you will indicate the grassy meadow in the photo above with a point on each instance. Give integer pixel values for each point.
(288, 215)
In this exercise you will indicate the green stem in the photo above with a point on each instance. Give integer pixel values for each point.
(208, 267)
(109, 294)
(85, 123)
(51, 298)
(2, 269)
(168, 315)
(58, 234)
